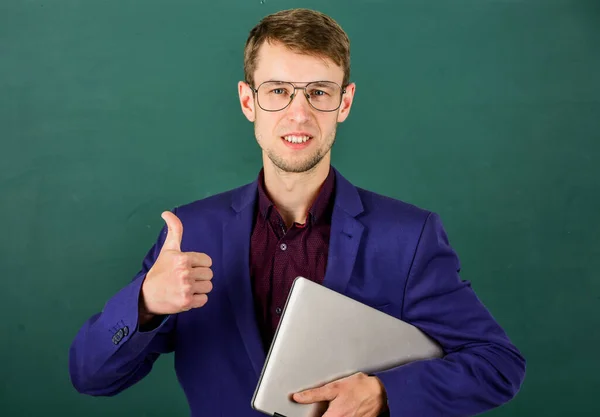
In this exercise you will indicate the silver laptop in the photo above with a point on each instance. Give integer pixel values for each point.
(323, 336)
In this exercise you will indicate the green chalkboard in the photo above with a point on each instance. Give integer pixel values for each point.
(485, 111)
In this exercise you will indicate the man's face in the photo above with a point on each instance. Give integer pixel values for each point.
(282, 134)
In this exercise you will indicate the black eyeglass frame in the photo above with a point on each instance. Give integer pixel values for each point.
(255, 91)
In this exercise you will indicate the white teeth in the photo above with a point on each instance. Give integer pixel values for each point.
(296, 139)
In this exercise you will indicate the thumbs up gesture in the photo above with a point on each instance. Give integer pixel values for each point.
(178, 281)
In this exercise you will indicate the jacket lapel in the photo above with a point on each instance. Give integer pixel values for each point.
(236, 258)
(346, 233)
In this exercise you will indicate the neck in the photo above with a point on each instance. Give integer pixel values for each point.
(294, 192)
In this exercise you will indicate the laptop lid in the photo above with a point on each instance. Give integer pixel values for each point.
(323, 336)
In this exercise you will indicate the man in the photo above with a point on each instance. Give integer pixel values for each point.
(212, 287)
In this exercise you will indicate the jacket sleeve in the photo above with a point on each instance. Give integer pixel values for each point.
(480, 369)
(110, 353)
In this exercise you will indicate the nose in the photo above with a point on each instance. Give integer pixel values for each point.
(299, 109)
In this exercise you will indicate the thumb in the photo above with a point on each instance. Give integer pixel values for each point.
(174, 232)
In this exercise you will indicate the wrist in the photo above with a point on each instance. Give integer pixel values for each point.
(144, 315)
(381, 393)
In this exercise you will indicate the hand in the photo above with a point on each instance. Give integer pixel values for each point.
(357, 395)
(178, 281)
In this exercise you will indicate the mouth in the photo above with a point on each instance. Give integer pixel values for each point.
(297, 138)
(297, 141)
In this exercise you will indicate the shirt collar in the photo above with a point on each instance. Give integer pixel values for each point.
(319, 206)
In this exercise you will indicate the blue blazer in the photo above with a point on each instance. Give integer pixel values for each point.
(388, 254)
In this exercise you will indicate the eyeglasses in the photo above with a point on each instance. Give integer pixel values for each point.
(323, 96)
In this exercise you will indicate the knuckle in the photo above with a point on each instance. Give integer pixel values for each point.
(184, 279)
(181, 260)
(184, 274)
(186, 301)
(186, 289)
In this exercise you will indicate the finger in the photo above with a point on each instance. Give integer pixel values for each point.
(201, 274)
(199, 300)
(199, 259)
(174, 231)
(202, 287)
(325, 393)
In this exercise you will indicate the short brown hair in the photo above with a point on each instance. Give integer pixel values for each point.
(303, 31)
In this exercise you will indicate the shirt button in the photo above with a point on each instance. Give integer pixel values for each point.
(283, 246)
(278, 310)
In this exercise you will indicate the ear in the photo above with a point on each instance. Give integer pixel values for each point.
(247, 100)
(347, 99)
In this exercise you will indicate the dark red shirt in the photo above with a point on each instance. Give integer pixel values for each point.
(277, 255)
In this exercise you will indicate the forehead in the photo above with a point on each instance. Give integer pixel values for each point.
(277, 62)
